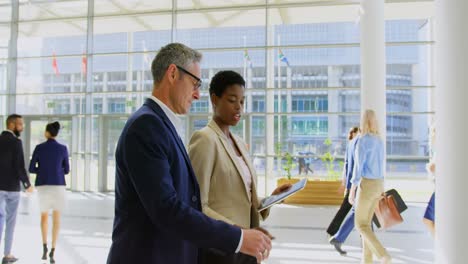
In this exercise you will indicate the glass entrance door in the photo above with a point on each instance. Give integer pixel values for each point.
(113, 127)
(33, 135)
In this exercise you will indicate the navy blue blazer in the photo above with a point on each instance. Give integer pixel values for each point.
(349, 160)
(50, 163)
(12, 168)
(158, 216)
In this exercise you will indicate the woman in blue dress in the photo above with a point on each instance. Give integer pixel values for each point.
(50, 164)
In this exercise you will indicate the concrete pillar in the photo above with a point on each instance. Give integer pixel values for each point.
(270, 108)
(373, 61)
(451, 127)
(334, 80)
(12, 68)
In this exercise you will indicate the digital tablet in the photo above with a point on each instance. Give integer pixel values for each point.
(277, 198)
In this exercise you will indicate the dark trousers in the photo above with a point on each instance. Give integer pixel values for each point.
(340, 216)
(210, 257)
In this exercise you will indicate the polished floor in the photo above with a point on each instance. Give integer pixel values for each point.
(299, 231)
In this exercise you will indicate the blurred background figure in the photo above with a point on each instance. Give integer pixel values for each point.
(429, 215)
(339, 234)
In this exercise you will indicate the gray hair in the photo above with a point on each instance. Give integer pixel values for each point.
(173, 53)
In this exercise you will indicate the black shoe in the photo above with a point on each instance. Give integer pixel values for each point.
(44, 252)
(51, 256)
(6, 260)
(337, 244)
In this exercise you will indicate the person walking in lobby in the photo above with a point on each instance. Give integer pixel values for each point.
(13, 171)
(339, 234)
(368, 176)
(50, 164)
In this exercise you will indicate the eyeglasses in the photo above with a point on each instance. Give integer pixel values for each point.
(198, 82)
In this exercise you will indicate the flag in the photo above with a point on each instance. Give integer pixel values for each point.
(54, 64)
(283, 58)
(247, 58)
(84, 64)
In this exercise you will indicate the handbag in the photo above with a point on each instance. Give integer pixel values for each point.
(400, 204)
(387, 212)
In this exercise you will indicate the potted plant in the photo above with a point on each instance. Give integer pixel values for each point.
(322, 189)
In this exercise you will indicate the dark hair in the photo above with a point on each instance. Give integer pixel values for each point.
(53, 128)
(223, 79)
(12, 118)
(351, 131)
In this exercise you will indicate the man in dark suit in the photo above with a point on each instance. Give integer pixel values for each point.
(158, 216)
(12, 171)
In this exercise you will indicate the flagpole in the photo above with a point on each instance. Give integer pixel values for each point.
(279, 99)
(143, 65)
(245, 58)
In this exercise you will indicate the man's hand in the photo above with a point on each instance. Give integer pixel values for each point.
(30, 189)
(264, 231)
(281, 189)
(255, 244)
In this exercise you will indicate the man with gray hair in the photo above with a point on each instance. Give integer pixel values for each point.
(158, 216)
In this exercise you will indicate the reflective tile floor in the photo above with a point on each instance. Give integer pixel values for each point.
(299, 231)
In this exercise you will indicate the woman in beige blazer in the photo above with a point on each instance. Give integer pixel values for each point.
(223, 168)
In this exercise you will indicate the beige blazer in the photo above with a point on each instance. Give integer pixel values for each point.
(222, 189)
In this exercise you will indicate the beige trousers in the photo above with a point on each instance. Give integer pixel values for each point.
(368, 195)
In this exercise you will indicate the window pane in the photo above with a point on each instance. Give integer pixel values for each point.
(108, 7)
(3, 105)
(3, 76)
(5, 11)
(189, 4)
(214, 61)
(317, 67)
(314, 24)
(222, 28)
(416, 100)
(59, 37)
(53, 9)
(110, 73)
(409, 65)
(46, 104)
(131, 33)
(408, 143)
(50, 75)
(407, 30)
(4, 40)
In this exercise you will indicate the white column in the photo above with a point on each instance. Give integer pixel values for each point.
(373, 61)
(334, 80)
(270, 107)
(451, 127)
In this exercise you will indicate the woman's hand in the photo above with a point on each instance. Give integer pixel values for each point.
(342, 187)
(352, 195)
(281, 189)
(430, 167)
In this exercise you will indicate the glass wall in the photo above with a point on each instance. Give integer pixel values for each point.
(5, 18)
(300, 59)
